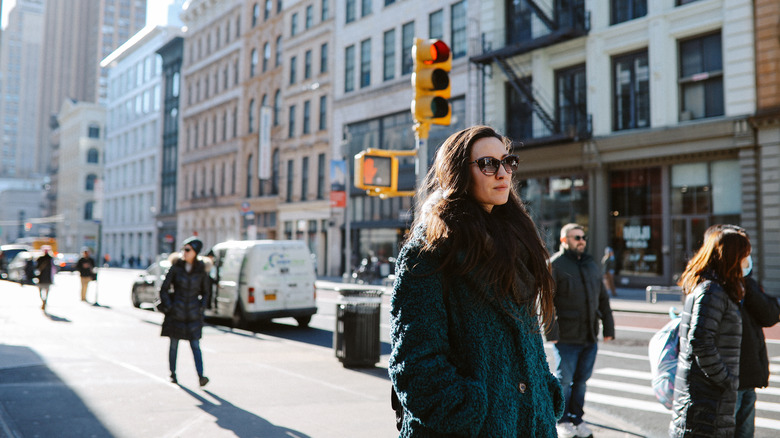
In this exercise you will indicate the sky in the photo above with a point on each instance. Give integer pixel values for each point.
(156, 11)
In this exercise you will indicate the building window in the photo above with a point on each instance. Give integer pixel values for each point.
(249, 167)
(351, 13)
(365, 7)
(307, 65)
(89, 208)
(268, 7)
(323, 113)
(304, 178)
(253, 65)
(251, 116)
(458, 29)
(389, 55)
(289, 180)
(684, 2)
(632, 91)
(277, 106)
(325, 9)
(278, 6)
(235, 123)
(93, 131)
(309, 16)
(307, 117)
(294, 24)
(625, 10)
(255, 14)
(275, 164)
(291, 123)
(266, 56)
(293, 70)
(90, 182)
(349, 69)
(436, 24)
(701, 77)
(93, 156)
(365, 63)
(571, 100)
(321, 176)
(519, 113)
(278, 50)
(407, 41)
(324, 58)
(555, 201)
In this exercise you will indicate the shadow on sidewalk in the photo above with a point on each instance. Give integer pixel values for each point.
(34, 401)
(239, 421)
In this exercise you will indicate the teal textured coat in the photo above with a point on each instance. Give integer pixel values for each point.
(461, 365)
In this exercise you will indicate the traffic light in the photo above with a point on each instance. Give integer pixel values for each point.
(431, 82)
(376, 171)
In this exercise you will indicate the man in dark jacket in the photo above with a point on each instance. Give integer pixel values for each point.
(86, 267)
(580, 302)
(758, 310)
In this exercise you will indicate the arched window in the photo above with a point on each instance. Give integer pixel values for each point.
(277, 106)
(268, 7)
(266, 56)
(253, 65)
(92, 155)
(249, 167)
(278, 51)
(90, 183)
(89, 207)
(251, 116)
(255, 14)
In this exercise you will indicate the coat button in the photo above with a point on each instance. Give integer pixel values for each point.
(521, 387)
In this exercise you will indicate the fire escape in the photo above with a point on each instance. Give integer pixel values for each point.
(533, 25)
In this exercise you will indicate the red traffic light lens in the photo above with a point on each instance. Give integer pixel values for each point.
(440, 52)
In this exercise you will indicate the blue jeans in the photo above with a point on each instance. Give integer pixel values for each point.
(574, 365)
(746, 413)
(173, 351)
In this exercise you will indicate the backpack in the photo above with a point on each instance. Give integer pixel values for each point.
(663, 349)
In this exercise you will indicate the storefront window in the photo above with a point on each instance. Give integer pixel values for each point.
(636, 219)
(554, 202)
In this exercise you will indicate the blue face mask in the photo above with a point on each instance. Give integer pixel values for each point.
(746, 271)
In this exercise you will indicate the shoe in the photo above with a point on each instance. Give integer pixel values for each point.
(566, 430)
(173, 379)
(583, 431)
(203, 380)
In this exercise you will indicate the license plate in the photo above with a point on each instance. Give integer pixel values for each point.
(270, 297)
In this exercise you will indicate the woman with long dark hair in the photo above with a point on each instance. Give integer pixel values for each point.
(472, 283)
(705, 387)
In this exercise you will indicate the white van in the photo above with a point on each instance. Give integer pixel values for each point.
(259, 280)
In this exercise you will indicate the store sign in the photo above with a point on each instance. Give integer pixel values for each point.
(636, 236)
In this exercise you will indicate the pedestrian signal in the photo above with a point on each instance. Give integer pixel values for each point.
(376, 171)
(431, 82)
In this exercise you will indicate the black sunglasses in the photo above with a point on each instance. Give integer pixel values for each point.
(489, 165)
(578, 238)
(186, 249)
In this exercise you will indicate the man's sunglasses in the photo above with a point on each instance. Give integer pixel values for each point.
(489, 165)
(578, 238)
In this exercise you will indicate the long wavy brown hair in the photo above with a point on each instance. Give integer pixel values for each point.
(721, 255)
(454, 220)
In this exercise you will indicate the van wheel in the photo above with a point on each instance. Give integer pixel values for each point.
(238, 317)
(303, 321)
(136, 301)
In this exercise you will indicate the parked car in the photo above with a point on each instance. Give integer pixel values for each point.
(9, 252)
(66, 261)
(21, 269)
(146, 287)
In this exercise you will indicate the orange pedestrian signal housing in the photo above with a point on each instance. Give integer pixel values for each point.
(376, 171)
(431, 82)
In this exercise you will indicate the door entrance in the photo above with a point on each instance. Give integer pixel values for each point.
(687, 238)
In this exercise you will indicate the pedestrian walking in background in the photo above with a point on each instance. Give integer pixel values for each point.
(184, 306)
(467, 356)
(86, 268)
(705, 387)
(608, 264)
(44, 266)
(580, 302)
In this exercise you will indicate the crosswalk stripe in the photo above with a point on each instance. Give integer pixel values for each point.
(767, 423)
(767, 406)
(604, 352)
(620, 386)
(632, 374)
(768, 391)
(624, 402)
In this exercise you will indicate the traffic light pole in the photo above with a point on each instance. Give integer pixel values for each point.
(421, 162)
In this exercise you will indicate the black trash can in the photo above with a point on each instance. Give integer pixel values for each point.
(356, 337)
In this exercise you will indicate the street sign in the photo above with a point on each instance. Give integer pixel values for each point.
(244, 207)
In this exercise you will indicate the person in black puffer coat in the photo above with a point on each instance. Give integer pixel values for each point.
(183, 308)
(705, 387)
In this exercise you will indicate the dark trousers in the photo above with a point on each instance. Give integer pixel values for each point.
(574, 365)
(173, 351)
(746, 413)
